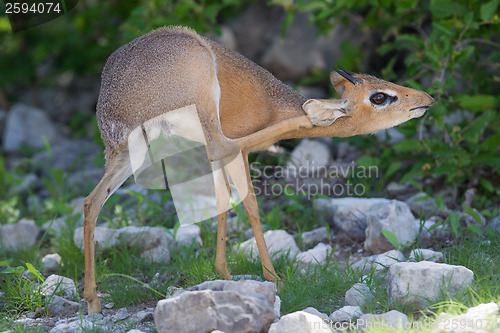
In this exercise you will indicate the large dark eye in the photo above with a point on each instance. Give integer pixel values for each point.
(378, 98)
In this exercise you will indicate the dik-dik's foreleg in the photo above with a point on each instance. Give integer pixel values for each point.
(117, 171)
(222, 196)
(240, 174)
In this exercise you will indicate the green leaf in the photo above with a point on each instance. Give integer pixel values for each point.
(409, 39)
(488, 9)
(35, 272)
(491, 143)
(443, 9)
(393, 167)
(486, 185)
(286, 4)
(454, 220)
(313, 5)
(478, 102)
(410, 145)
(13, 270)
(391, 238)
(4, 262)
(474, 214)
(367, 161)
(290, 16)
(474, 132)
(441, 28)
(473, 229)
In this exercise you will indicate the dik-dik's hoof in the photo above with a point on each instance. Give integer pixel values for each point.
(222, 272)
(94, 304)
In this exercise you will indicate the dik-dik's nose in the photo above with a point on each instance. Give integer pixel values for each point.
(428, 99)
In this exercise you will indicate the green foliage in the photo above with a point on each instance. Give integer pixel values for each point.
(448, 49)
(82, 39)
(21, 294)
(391, 238)
(201, 15)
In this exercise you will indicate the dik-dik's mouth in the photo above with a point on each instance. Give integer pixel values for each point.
(419, 111)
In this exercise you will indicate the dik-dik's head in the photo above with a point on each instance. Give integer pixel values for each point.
(370, 103)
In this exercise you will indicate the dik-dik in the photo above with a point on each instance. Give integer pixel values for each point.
(241, 107)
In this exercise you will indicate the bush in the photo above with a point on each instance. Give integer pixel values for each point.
(451, 50)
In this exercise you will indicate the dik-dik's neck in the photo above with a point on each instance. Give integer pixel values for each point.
(251, 98)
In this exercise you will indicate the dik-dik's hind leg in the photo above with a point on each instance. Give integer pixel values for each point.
(222, 196)
(240, 175)
(117, 171)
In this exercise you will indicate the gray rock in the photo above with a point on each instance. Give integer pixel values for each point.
(51, 263)
(154, 242)
(348, 214)
(59, 285)
(121, 314)
(77, 326)
(104, 238)
(317, 255)
(308, 155)
(481, 319)
(301, 51)
(142, 316)
(244, 287)
(358, 295)
(495, 224)
(395, 217)
(302, 322)
(70, 94)
(3, 115)
(422, 283)
(310, 238)
(425, 255)
(173, 291)
(18, 236)
(379, 261)
(207, 310)
(135, 331)
(277, 307)
(278, 242)
(312, 92)
(189, 234)
(28, 126)
(387, 321)
(395, 136)
(77, 205)
(432, 230)
(346, 313)
(84, 181)
(60, 306)
(400, 191)
(63, 225)
(234, 225)
(315, 312)
(30, 182)
(226, 37)
(422, 203)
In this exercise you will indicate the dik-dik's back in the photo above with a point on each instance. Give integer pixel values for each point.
(170, 68)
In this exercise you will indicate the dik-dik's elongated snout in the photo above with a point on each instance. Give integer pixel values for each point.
(370, 104)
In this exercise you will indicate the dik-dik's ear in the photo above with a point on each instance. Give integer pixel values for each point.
(340, 78)
(323, 112)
